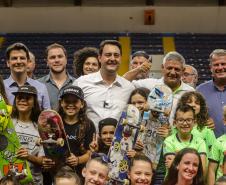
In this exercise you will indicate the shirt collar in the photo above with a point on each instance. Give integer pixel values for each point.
(98, 79)
(181, 141)
(49, 78)
(12, 82)
(183, 86)
(214, 86)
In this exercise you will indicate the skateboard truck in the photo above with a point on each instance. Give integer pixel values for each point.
(59, 141)
(114, 181)
(140, 127)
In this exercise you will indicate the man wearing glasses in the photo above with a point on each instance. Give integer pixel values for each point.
(190, 75)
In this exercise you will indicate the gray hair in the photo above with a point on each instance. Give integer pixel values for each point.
(173, 55)
(217, 52)
(194, 71)
(32, 56)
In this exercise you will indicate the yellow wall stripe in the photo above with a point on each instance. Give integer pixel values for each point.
(126, 51)
(2, 39)
(168, 44)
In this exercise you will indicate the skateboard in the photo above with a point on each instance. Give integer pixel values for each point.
(124, 140)
(53, 136)
(9, 145)
(160, 101)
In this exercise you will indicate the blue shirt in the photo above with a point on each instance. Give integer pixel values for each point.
(43, 96)
(53, 90)
(215, 100)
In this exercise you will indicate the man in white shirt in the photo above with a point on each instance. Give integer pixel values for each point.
(106, 93)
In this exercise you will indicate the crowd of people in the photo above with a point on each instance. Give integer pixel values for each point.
(90, 104)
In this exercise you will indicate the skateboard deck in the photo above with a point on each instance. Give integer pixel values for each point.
(9, 145)
(53, 136)
(160, 101)
(124, 140)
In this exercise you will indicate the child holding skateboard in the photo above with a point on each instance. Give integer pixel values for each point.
(139, 98)
(156, 134)
(184, 121)
(79, 129)
(25, 115)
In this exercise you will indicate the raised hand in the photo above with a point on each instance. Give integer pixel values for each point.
(94, 144)
(210, 123)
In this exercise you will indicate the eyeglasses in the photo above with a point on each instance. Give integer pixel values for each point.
(102, 156)
(189, 120)
(188, 74)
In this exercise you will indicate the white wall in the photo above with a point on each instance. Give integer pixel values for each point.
(112, 19)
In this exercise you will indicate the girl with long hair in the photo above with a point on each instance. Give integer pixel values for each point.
(198, 103)
(79, 129)
(25, 116)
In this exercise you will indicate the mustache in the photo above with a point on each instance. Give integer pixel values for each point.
(18, 64)
(112, 62)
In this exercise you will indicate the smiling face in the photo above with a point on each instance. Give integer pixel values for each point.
(107, 134)
(218, 67)
(95, 173)
(17, 61)
(188, 167)
(24, 103)
(110, 59)
(172, 71)
(184, 122)
(56, 60)
(138, 101)
(71, 105)
(140, 173)
(90, 65)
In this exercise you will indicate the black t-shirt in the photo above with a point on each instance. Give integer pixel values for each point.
(78, 146)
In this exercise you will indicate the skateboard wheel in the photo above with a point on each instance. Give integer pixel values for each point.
(142, 128)
(60, 142)
(126, 182)
(38, 141)
(124, 122)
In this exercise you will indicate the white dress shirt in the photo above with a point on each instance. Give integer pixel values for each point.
(104, 100)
